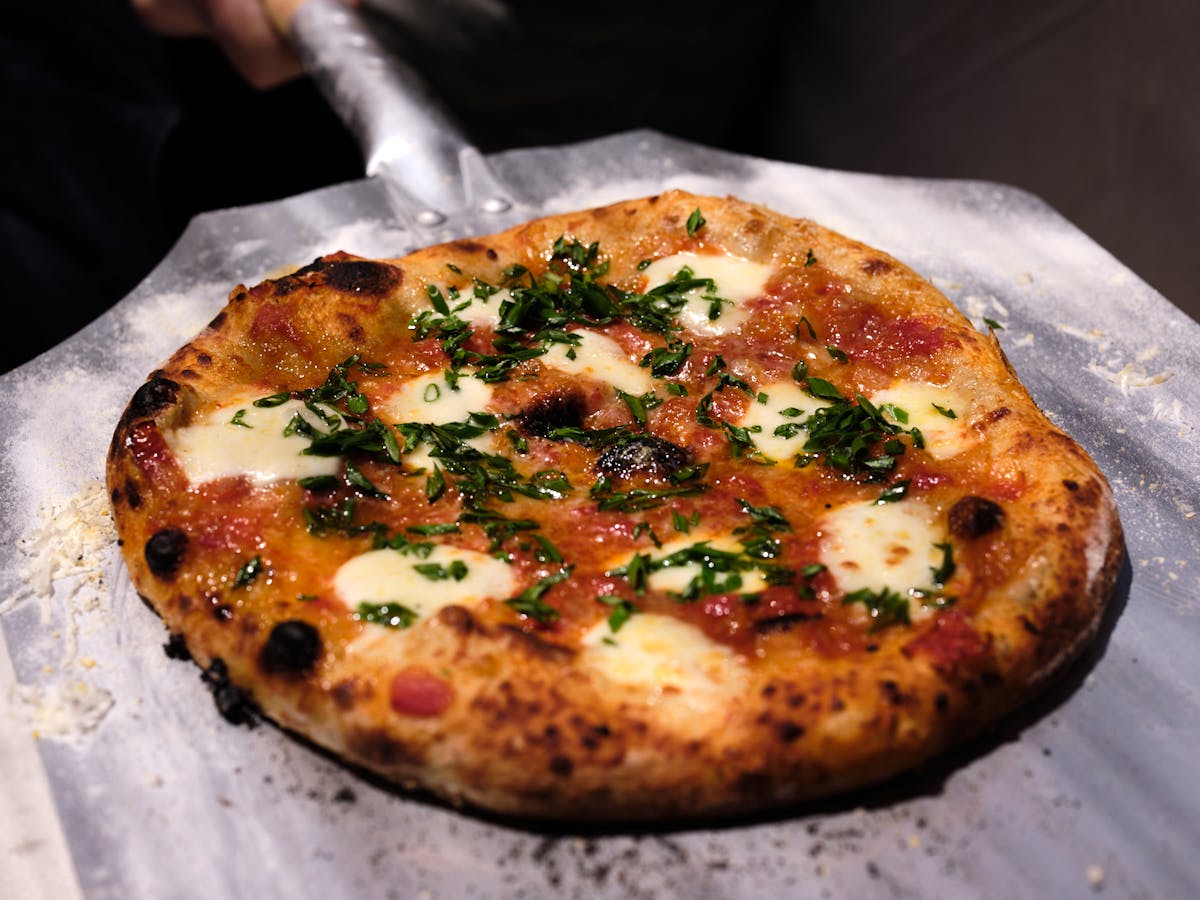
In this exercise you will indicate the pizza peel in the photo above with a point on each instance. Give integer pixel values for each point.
(137, 788)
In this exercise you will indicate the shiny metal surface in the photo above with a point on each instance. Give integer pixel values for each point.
(1093, 788)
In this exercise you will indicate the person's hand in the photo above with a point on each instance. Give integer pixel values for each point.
(249, 31)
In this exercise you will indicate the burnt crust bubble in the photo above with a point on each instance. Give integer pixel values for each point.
(973, 517)
(164, 551)
(291, 648)
(153, 396)
(645, 454)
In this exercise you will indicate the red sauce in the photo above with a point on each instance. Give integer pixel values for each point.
(417, 693)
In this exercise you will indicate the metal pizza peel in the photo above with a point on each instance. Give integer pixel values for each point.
(134, 787)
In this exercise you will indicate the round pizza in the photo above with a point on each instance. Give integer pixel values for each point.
(669, 508)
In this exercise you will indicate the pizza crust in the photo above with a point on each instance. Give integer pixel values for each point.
(483, 706)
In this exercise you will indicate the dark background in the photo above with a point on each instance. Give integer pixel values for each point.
(114, 137)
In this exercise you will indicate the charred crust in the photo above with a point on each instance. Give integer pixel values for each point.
(457, 618)
(190, 374)
(536, 646)
(941, 701)
(380, 748)
(1070, 485)
(467, 246)
(345, 693)
(973, 517)
(233, 703)
(219, 318)
(176, 647)
(133, 496)
(875, 266)
(789, 731)
(352, 276)
(562, 766)
(222, 612)
(164, 552)
(784, 622)
(564, 409)
(996, 415)
(644, 454)
(491, 254)
(292, 648)
(152, 398)
(1028, 625)
(203, 359)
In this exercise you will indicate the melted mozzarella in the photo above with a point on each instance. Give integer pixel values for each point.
(675, 579)
(430, 400)
(768, 416)
(388, 576)
(483, 313)
(600, 358)
(944, 437)
(669, 660)
(737, 280)
(214, 447)
(877, 546)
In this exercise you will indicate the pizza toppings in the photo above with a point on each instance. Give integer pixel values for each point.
(691, 488)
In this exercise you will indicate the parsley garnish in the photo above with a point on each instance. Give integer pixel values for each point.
(695, 222)
(948, 413)
(457, 570)
(248, 572)
(529, 602)
(992, 324)
(390, 614)
(886, 607)
(809, 259)
(894, 492)
(622, 610)
(238, 419)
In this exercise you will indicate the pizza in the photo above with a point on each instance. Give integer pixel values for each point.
(672, 508)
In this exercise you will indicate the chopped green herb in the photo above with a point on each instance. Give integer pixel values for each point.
(837, 354)
(529, 602)
(992, 324)
(886, 607)
(943, 572)
(668, 360)
(809, 259)
(360, 483)
(457, 570)
(695, 222)
(892, 493)
(622, 610)
(238, 418)
(390, 614)
(248, 572)
(274, 400)
(948, 413)
(319, 484)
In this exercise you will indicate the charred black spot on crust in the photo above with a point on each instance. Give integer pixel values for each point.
(789, 731)
(562, 766)
(353, 276)
(203, 359)
(176, 647)
(875, 266)
(973, 517)
(536, 645)
(218, 320)
(1070, 485)
(115, 496)
(996, 415)
(466, 246)
(565, 409)
(458, 618)
(152, 397)
(942, 701)
(892, 693)
(1028, 625)
(292, 647)
(784, 622)
(232, 702)
(492, 254)
(190, 374)
(132, 495)
(364, 277)
(645, 454)
(222, 612)
(164, 551)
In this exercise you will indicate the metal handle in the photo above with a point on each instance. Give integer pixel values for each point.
(429, 167)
